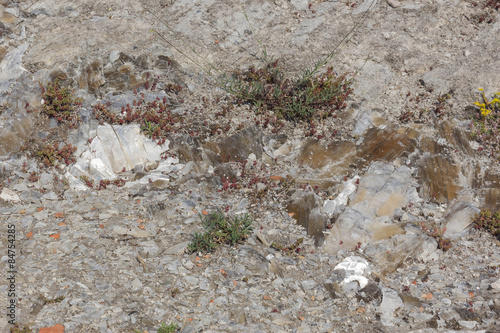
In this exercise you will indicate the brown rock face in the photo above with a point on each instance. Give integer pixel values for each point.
(305, 209)
(386, 145)
(457, 137)
(491, 190)
(438, 176)
(14, 132)
(238, 146)
(338, 155)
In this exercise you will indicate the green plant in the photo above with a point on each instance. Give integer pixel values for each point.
(220, 230)
(438, 234)
(50, 154)
(295, 247)
(46, 300)
(34, 177)
(268, 87)
(164, 328)
(486, 124)
(149, 128)
(168, 329)
(291, 99)
(155, 119)
(489, 222)
(20, 329)
(59, 103)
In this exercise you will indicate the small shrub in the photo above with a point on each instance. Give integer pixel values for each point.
(486, 124)
(489, 222)
(220, 230)
(46, 300)
(60, 104)
(288, 249)
(168, 329)
(51, 154)
(34, 177)
(489, 7)
(298, 99)
(436, 233)
(17, 328)
(164, 328)
(103, 183)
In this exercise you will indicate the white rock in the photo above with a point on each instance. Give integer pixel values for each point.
(331, 206)
(115, 148)
(9, 195)
(114, 56)
(496, 284)
(390, 303)
(458, 219)
(356, 269)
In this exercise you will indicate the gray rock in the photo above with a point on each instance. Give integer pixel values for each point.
(11, 68)
(390, 303)
(459, 216)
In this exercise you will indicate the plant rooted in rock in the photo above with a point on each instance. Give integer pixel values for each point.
(164, 328)
(268, 87)
(51, 154)
(291, 99)
(220, 229)
(19, 328)
(438, 234)
(486, 124)
(60, 104)
(295, 247)
(489, 222)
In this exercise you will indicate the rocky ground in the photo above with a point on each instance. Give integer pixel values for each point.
(353, 214)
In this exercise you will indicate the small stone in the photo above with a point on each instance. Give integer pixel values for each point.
(467, 324)
(9, 195)
(496, 284)
(308, 284)
(192, 280)
(101, 286)
(176, 249)
(281, 321)
(394, 3)
(136, 284)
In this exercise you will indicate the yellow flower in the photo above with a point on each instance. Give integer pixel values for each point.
(480, 89)
(481, 105)
(485, 112)
(495, 101)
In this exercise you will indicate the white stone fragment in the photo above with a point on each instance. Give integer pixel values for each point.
(356, 268)
(330, 206)
(9, 195)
